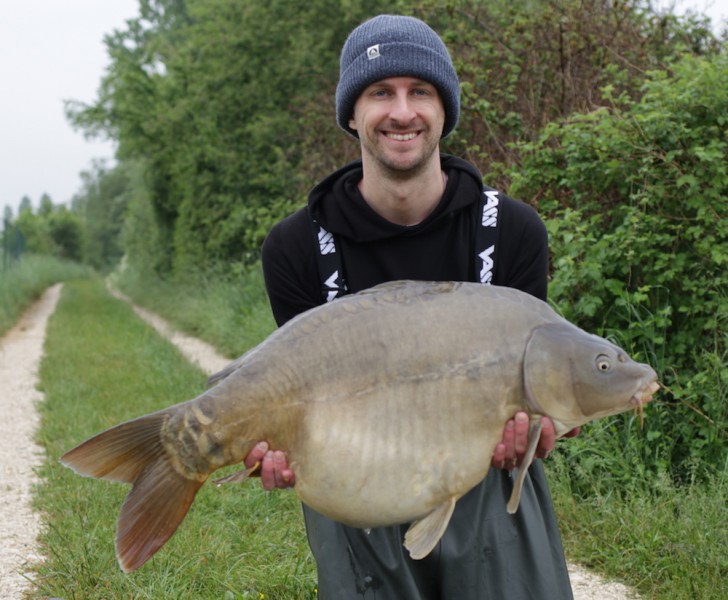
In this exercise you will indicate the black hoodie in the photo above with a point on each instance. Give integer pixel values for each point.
(375, 250)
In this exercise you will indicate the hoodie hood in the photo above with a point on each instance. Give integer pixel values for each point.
(338, 206)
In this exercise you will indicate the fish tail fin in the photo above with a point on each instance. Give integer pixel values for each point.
(160, 497)
(151, 513)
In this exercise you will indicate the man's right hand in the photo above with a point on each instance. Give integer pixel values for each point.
(274, 470)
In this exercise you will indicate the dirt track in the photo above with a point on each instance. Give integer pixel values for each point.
(20, 354)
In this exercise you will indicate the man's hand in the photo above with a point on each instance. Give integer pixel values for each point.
(509, 452)
(274, 471)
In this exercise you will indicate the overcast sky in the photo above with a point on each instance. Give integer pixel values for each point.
(51, 51)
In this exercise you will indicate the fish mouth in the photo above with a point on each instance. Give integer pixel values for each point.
(641, 397)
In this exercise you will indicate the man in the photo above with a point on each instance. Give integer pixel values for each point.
(407, 212)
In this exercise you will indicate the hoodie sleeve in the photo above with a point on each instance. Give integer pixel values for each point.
(289, 267)
(524, 255)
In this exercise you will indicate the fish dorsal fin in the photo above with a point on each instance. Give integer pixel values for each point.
(423, 534)
(534, 434)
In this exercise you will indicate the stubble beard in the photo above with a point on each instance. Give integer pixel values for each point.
(390, 168)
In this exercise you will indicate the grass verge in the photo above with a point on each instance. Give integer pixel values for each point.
(25, 280)
(230, 312)
(665, 541)
(102, 366)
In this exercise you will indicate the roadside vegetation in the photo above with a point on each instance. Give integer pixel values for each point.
(23, 280)
(608, 117)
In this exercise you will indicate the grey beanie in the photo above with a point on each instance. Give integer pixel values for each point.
(395, 46)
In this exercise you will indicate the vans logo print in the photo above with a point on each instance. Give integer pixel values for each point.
(490, 209)
(333, 286)
(486, 273)
(326, 241)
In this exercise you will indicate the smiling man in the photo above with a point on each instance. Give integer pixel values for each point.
(406, 211)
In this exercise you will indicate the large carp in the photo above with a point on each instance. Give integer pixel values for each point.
(407, 373)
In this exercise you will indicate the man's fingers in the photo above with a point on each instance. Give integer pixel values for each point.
(267, 472)
(256, 454)
(548, 438)
(498, 459)
(280, 465)
(522, 424)
(573, 433)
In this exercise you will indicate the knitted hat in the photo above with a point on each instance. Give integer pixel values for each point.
(395, 46)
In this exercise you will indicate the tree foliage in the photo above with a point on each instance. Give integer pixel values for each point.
(53, 231)
(101, 204)
(228, 105)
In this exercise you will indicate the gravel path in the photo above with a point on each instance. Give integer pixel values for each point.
(20, 353)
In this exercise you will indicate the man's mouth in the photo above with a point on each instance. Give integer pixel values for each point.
(401, 137)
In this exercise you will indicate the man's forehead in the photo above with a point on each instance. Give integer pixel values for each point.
(402, 80)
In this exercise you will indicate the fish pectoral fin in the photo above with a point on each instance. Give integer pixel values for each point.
(534, 434)
(238, 476)
(423, 534)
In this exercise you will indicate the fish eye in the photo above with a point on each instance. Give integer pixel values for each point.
(603, 363)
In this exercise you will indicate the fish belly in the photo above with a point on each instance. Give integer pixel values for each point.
(392, 454)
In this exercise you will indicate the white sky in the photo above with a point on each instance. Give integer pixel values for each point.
(53, 50)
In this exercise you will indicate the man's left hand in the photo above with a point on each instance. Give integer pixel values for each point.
(509, 452)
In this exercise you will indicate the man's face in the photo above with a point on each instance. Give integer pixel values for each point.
(399, 121)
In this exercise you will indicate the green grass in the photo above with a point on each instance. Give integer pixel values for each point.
(102, 366)
(665, 541)
(24, 281)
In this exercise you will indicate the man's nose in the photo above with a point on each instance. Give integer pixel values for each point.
(402, 110)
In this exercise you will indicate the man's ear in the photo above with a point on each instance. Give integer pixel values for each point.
(352, 123)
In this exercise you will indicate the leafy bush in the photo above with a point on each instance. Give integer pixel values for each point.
(636, 197)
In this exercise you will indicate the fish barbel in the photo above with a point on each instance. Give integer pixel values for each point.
(423, 374)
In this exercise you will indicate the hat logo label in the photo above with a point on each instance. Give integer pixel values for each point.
(373, 52)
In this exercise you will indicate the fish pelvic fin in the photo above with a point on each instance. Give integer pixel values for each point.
(132, 452)
(423, 535)
(534, 434)
(238, 476)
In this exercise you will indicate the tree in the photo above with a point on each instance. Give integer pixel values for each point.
(26, 205)
(102, 204)
(45, 206)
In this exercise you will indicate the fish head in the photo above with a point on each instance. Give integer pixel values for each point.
(575, 377)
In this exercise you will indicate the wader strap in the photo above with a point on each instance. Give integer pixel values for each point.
(486, 236)
(330, 264)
